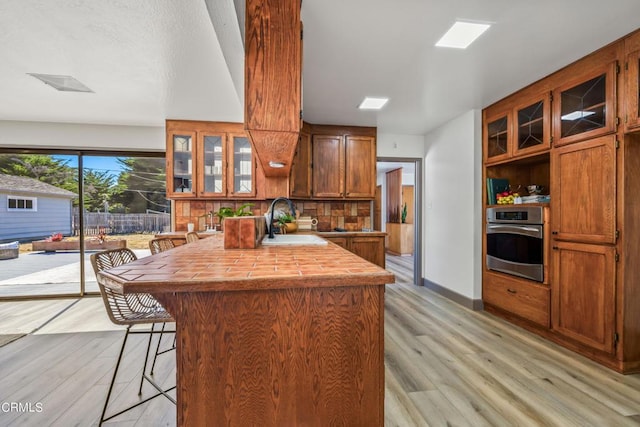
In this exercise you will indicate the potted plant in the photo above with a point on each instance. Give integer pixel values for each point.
(287, 223)
(226, 211)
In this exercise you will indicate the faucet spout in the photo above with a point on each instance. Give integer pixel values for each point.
(292, 208)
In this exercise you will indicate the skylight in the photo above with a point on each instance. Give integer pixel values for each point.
(61, 83)
(462, 34)
(372, 103)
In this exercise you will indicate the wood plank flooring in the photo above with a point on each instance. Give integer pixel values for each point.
(445, 365)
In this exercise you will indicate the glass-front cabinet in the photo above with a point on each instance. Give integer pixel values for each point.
(532, 130)
(585, 107)
(212, 160)
(497, 137)
(212, 153)
(181, 163)
(242, 167)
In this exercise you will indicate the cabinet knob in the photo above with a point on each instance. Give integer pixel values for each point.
(512, 291)
(554, 232)
(555, 248)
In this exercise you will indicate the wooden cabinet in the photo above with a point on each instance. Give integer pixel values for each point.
(209, 160)
(524, 298)
(584, 293)
(401, 240)
(300, 179)
(585, 106)
(632, 86)
(584, 191)
(593, 234)
(328, 166)
(519, 127)
(344, 166)
(369, 247)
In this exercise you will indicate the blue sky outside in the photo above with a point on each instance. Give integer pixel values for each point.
(94, 163)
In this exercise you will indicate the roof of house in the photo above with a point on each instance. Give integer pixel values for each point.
(22, 184)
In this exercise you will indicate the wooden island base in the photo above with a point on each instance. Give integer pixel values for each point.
(287, 357)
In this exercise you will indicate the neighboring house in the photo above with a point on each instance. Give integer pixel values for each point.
(31, 209)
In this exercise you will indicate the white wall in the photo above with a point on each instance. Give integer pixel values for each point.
(452, 256)
(398, 145)
(81, 136)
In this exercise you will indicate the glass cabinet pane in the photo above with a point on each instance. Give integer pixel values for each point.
(530, 126)
(583, 107)
(497, 137)
(182, 163)
(242, 165)
(213, 167)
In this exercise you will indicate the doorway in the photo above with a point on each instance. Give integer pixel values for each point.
(398, 212)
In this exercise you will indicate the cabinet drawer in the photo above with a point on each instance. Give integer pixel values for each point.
(525, 299)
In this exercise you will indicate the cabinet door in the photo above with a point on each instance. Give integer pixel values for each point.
(585, 107)
(632, 92)
(328, 166)
(343, 242)
(241, 169)
(584, 191)
(369, 248)
(583, 293)
(301, 168)
(212, 181)
(360, 166)
(532, 126)
(497, 137)
(181, 164)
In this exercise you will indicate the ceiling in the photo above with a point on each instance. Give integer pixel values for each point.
(148, 60)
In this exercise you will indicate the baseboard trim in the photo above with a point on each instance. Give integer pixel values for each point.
(472, 304)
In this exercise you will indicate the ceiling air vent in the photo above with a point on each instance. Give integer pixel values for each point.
(62, 83)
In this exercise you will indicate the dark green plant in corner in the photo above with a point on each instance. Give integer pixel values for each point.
(404, 213)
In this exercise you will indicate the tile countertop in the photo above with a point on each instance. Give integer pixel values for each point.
(206, 266)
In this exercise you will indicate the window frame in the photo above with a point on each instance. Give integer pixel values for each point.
(34, 204)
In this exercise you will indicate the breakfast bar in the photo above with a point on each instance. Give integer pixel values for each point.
(278, 335)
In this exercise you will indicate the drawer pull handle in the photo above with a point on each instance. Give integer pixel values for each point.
(512, 291)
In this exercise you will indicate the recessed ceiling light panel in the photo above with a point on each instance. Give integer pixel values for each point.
(462, 34)
(61, 83)
(372, 103)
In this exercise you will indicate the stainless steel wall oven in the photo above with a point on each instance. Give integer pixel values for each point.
(515, 241)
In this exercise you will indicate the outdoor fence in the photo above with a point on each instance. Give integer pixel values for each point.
(117, 223)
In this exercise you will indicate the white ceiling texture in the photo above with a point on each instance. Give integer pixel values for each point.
(148, 60)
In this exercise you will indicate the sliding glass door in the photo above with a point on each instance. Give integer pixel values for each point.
(57, 208)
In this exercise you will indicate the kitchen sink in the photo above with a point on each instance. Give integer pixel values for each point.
(293, 239)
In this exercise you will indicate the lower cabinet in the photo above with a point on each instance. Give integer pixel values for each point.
(584, 293)
(370, 248)
(521, 297)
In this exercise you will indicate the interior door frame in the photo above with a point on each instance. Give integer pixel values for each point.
(417, 212)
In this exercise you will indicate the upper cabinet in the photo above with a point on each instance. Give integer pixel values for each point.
(209, 160)
(532, 125)
(344, 165)
(585, 106)
(300, 180)
(632, 93)
(181, 154)
(517, 127)
(632, 83)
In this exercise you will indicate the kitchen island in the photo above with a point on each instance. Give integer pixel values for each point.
(274, 336)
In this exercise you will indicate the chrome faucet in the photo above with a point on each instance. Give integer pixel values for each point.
(292, 208)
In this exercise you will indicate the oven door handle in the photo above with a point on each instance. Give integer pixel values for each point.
(518, 229)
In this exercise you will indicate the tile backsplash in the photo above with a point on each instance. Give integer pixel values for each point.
(351, 215)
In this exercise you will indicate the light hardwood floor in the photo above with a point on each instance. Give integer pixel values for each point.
(445, 365)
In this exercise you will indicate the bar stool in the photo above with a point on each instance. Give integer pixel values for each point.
(129, 310)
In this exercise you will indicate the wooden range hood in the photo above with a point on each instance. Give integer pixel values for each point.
(273, 82)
